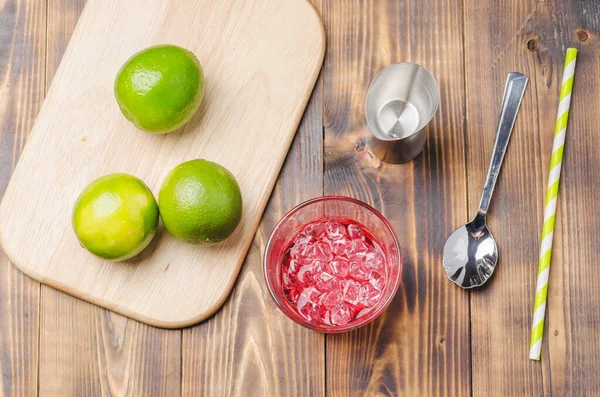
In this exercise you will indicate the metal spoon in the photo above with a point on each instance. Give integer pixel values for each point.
(470, 253)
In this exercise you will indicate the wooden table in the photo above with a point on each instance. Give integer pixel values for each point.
(435, 339)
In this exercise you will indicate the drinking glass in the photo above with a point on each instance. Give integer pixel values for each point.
(332, 208)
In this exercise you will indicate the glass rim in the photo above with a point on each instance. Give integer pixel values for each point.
(286, 308)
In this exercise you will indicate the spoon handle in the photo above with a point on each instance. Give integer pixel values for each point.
(513, 93)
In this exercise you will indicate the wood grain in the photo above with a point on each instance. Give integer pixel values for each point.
(532, 38)
(249, 348)
(88, 351)
(420, 345)
(258, 83)
(22, 49)
(99, 353)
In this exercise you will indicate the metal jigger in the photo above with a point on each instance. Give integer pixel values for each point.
(401, 100)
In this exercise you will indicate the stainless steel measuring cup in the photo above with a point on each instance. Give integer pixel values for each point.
(401, 101)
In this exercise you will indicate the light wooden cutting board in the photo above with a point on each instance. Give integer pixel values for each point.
(261, 59)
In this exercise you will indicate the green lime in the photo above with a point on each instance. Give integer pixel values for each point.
(160, 88)
(115, 217)
(200, 202)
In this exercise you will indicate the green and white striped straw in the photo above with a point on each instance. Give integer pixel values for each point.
(539, 309)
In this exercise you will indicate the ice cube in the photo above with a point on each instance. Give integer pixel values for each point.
(316, 230)
(359, 246)
(358, 271)
(341, 314)
(341, 245)
(292, 295)
(355, 232)
(310, 311)
(364, 311)
(374, 260)
(377, 279)
(369, 295)
(340, 267)
(332, 298)
(286, 279)
(299, 250)
(325, 281)
(335, 229)
(322, 251)
(305, 274)
(292, 266)
(303, 239)
(352, 292)
(306, 296)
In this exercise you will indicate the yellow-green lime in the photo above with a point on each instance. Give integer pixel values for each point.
(200, 202)
(115, 217)
(160, 88)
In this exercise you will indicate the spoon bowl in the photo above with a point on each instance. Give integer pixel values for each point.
(470, 255)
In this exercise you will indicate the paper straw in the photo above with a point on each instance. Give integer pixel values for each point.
(541, 292)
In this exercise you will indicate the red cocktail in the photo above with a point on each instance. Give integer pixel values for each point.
(333, 264)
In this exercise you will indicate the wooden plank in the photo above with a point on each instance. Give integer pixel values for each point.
(532, 38)
(249, 348)
(258, 82)
(496, 44)
(420, 345)
(86, 350)
(89, 351)
(572, 347)
(22, 45)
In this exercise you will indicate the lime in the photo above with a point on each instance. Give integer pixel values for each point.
(160, 88)
(115, 217)
(200, 202)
